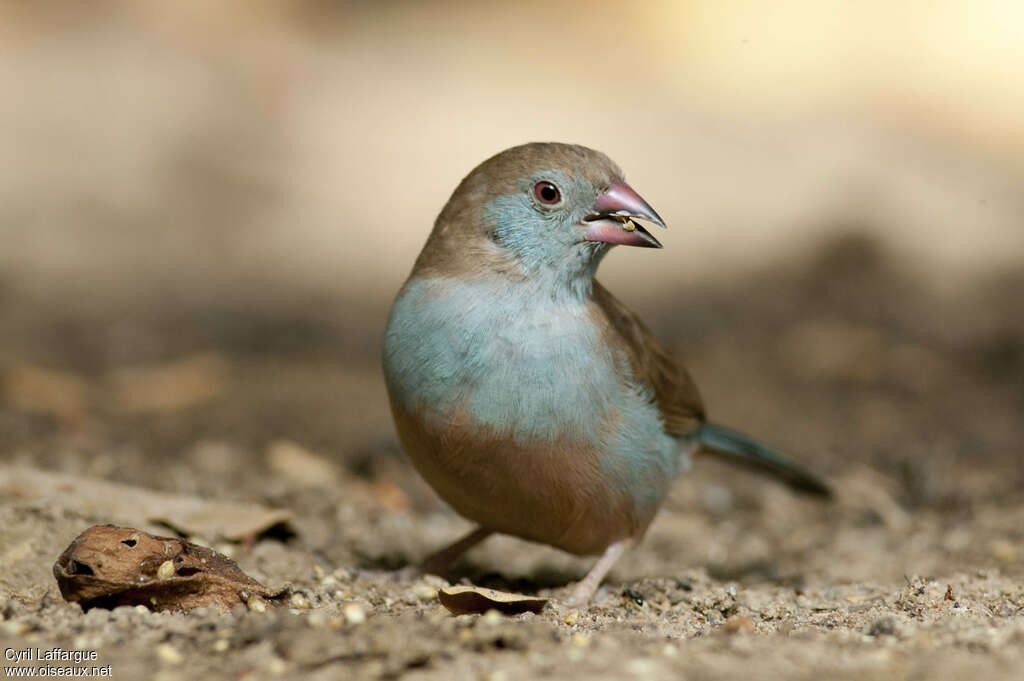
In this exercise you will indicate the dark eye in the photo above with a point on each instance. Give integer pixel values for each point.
(547, 193)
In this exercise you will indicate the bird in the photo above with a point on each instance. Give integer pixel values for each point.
(533, 401)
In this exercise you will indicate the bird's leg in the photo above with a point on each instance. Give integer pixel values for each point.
(439, 560)
(586, 587)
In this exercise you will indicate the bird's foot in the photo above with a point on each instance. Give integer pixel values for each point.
(586, 587)
(581, 595)
(438, 562)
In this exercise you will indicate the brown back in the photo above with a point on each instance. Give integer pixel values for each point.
(676, 394)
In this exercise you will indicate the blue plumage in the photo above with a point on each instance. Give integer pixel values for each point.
(534, 402)
(529, 368)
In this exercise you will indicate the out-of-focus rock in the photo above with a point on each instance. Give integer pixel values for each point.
(169, 387)
(301, 466)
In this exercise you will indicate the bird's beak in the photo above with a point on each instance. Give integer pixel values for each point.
(611, 221)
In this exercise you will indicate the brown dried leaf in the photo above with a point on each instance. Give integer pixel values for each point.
(475, 600)
(108, 566)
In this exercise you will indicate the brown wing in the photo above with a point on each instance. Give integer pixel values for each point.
(675, 392)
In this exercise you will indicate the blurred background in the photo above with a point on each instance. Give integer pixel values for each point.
(206, 208)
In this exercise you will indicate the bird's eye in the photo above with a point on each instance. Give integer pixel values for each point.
(547, 193)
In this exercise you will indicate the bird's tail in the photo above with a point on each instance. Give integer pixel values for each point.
(739, 448)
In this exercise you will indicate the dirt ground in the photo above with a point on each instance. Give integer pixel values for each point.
(908, 399)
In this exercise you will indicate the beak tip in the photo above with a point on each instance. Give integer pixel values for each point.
(622, 200)
(655, 218)
(648, 239)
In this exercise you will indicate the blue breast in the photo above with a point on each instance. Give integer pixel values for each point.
(530, 367)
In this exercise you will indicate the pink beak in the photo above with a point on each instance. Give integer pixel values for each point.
(607, 224)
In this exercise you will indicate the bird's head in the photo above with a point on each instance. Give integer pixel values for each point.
(548, 208)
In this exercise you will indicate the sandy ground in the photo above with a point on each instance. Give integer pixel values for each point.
(911, 403)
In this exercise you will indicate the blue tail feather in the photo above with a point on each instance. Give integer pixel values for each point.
(740, 448)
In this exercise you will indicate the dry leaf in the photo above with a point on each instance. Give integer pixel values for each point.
(108, 566)
(475, 600)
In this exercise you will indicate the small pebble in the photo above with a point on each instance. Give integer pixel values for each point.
(571, 618)
(435, 581)
(354, 613)
(425, 592)
(491, 617)
(168, 654)
(256, 604)
(84, 642)
(642, 667)
(277, 666)
(738, 624)
(15, 628)
(300, 602)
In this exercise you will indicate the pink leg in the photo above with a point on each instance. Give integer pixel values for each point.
(439, 560)
(586, 587)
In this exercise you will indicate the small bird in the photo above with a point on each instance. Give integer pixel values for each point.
(531, 400)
